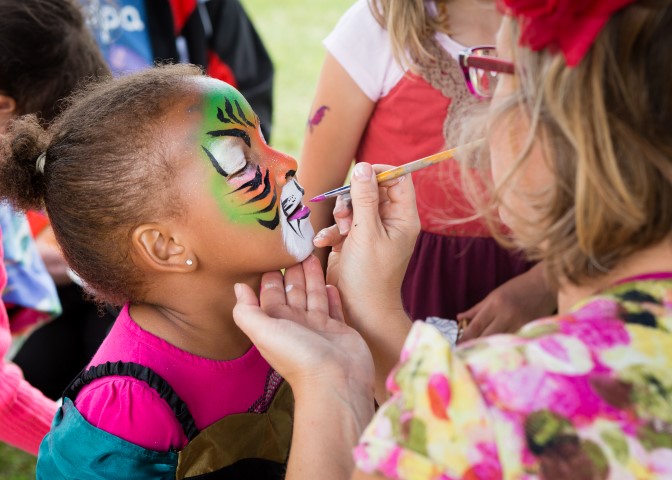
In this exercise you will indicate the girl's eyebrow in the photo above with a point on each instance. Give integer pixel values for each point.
(232, 132)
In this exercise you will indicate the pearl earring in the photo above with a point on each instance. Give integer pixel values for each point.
(190, 262)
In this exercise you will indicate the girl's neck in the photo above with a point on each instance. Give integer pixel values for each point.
(657, 258)
(196, 317)
(472, 23)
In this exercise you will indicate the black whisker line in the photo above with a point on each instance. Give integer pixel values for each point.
(265, 191)
(214, 162)
(292, 227)
(242, 114)
(270, 205)
(271, 224)
(251, 184)
(229, 111)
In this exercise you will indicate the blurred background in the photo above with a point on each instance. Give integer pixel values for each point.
(292, 31)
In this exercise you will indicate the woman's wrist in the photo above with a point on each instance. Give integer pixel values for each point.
(328, 422)
(343, 388)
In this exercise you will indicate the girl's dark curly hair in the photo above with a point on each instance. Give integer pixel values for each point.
(105, 172)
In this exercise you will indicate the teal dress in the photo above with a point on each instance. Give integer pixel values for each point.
(241, 446)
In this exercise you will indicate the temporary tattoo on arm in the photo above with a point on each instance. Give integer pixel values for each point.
(317, 117)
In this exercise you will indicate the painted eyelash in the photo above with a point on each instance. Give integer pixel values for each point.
(241, 170)
(220, 170)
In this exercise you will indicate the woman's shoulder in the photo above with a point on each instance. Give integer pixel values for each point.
(435, 419)
(581, 377)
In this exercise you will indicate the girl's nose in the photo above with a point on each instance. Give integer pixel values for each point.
(282, 166)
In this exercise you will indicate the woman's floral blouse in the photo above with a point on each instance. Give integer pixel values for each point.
(587, 395)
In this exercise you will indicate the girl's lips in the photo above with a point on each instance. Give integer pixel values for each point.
(300, 213)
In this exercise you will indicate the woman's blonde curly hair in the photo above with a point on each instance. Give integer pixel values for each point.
(606, 129)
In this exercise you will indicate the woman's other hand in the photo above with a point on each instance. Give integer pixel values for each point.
(510, 306)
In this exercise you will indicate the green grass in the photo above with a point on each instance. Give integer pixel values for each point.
(293, 31)
(15, 465)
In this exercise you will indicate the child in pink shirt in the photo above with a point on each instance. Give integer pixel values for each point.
(163, 194)
(25, 413)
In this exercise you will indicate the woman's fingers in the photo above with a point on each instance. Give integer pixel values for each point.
(365, 200)
(247, 314)
(343, 213)
(316, 293)
(335, 304)
(272, 291)
(476, 325)
(295, 287)
(328, 237)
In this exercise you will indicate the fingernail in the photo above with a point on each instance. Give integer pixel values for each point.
(397, 181)
(318, 238)
(236, 289)
(362, 172)
(343, 229)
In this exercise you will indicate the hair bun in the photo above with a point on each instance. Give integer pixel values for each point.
(23, 154)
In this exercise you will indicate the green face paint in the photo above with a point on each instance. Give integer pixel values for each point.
(253, 184)
(241, 188)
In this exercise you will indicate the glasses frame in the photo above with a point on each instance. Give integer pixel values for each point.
(468, 60)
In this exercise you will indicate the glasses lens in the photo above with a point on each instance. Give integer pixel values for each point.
(483, 81)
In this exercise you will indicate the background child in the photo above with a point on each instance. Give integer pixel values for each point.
(162, 194)
(46, 51)
(217, 35)
(382, 103)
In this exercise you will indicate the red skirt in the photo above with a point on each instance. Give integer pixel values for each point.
(448, 275)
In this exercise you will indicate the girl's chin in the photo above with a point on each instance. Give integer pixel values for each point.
(299, 245)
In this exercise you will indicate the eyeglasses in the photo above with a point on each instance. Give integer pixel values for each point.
(480, 66)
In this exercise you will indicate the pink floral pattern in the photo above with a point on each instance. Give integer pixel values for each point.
(587, 395)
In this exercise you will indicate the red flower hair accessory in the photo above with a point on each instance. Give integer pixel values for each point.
(570, 26)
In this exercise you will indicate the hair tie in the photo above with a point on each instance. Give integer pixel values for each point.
(39, 164)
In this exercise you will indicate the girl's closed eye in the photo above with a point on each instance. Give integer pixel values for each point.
(241, 170)
(227, 156)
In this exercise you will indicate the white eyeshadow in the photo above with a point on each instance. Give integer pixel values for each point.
(229, 155)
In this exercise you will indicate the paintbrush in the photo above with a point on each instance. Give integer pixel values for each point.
(400, 171)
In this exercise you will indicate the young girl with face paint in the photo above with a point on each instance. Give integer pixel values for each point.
(163, 194)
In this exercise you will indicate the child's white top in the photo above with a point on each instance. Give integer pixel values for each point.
(364, 50)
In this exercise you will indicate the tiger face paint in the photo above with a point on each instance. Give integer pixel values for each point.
(253, 184)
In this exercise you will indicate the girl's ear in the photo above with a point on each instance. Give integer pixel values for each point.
(156, 248)
(7, 110)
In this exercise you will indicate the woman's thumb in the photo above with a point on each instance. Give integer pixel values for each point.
(364, 193)
(246, 312)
